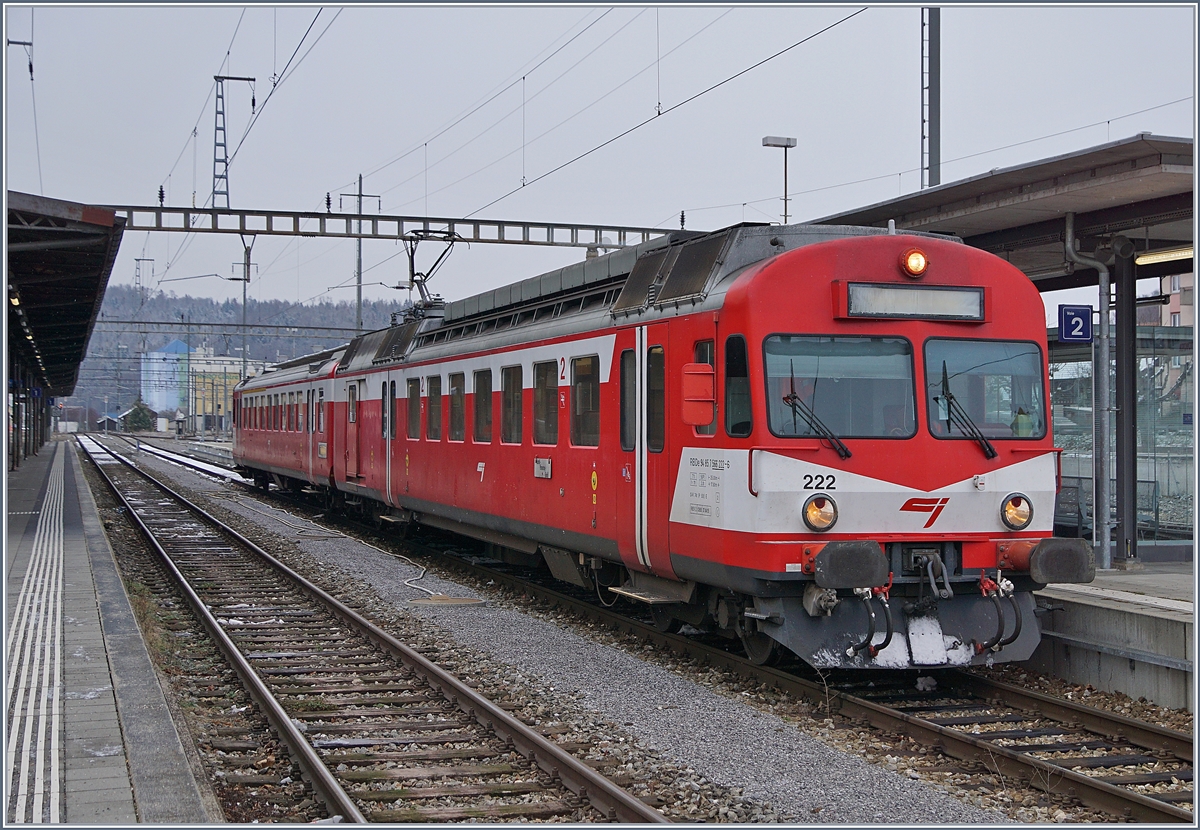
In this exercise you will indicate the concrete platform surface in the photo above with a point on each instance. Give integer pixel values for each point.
(89, 737)
(1127, 631)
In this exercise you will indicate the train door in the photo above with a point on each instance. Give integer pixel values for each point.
(389, 432)
(353, 390)
(308, 435)
(644, 429)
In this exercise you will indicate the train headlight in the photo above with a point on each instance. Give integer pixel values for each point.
(1017, 511)
(820, 512)
(914, 262)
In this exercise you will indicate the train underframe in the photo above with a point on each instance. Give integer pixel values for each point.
(867, 605)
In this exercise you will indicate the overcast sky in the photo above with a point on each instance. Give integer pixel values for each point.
(444, 111)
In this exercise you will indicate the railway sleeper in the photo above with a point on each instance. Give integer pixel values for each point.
(543, 809)
(428, 773)
(361, 758)
(459, 791)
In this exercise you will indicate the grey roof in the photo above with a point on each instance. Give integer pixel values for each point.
(1140, 186)
(576, 275)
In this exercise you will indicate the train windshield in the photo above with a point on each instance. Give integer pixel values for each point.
(985, 388)
(857, 387)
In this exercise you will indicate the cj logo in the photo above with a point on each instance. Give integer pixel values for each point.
(931, 506)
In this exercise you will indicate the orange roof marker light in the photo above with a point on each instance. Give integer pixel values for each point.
(914, 263)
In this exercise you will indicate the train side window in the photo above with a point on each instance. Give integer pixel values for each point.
(585, 401)
(458, 407)
(352, 403)
(414, 408)
(276, 414)
(628, 399)
(321, 411)
(433, 408)
(656, 399)
(483, 406)
(291, 412)
(391, 415)
(511, 384)
(705, 352)
(545, 403)
(737, 388)
(384, 407)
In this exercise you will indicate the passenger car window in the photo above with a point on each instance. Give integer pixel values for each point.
(628, 399)
(738, 421)
(656, 399)
(510, 401)
(458, 407)
(414, 408)
(545, 403)
(585, 401)
(433, 408)
(483, 406)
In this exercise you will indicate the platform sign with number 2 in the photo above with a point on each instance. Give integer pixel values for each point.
(1075, 324)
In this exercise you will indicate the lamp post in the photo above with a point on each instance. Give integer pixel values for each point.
(786, 143)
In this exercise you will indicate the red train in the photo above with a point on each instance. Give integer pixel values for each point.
(833, 440)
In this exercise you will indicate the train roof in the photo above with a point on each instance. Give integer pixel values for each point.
(296, 369)
(680, 272)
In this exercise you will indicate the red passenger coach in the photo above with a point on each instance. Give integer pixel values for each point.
(832, 440)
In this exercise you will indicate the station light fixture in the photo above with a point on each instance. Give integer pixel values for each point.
(1165, 255)
(786, 143)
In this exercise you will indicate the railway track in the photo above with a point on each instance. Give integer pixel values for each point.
(1119, 765)
(378, 731)
(1127, 768)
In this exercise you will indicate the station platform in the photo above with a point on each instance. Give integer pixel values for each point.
(89, 737)
(1127, 631)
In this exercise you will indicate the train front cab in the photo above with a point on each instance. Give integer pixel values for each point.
(881, 491)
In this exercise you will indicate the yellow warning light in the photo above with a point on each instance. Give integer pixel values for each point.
(914, 262)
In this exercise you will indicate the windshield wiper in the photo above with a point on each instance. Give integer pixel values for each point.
(816, 424)
(955, 414)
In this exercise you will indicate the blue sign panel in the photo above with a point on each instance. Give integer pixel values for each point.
(1075, 324)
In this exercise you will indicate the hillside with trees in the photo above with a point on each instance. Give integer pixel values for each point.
(133, 322)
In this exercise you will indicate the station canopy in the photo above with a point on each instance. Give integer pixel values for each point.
(1139, 187)
(60, 256)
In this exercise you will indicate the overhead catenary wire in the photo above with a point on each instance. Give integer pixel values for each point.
(674, 107)
(509, 114)
(37, 141)
(285, 75)
(537, 61)
(190, 237)
(578, 112)
(808, 191)
(488, 97)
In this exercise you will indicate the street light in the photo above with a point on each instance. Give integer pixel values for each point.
(786, 143)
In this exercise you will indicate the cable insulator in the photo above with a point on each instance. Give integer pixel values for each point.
(31, 69)
(328, 203)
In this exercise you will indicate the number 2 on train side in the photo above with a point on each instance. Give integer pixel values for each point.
(562, 368)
